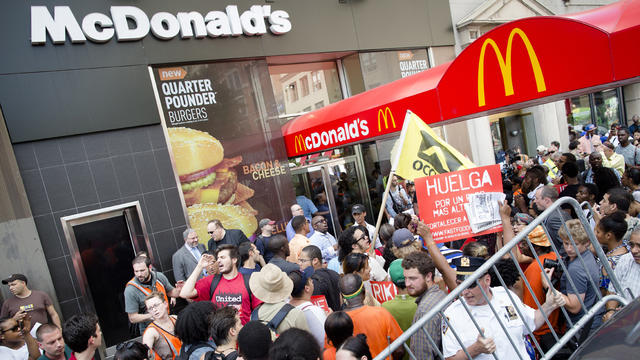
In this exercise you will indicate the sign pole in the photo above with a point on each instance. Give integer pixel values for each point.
(394, 166)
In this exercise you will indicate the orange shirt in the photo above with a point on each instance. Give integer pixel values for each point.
(377, 323)
(534, 276)
(329, 353)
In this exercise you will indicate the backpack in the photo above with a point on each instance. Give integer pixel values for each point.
(216, 280)
(276, 320)
(184, 355)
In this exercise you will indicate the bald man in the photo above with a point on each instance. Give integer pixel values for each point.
(295, 211)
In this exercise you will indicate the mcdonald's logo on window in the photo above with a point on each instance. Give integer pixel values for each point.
(299, 144)
(385, 115)
(505, 65)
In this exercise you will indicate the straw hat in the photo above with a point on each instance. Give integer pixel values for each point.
(271, 285)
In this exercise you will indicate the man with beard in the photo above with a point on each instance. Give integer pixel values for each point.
(221, 236)
(418, 270)
(140, 286)
(229, 287)
(493, 338)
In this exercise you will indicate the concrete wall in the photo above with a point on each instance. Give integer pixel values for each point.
(631, 95)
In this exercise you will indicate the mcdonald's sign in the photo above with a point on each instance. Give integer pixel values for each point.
(300, 146)
(505, 65)
(385, 115)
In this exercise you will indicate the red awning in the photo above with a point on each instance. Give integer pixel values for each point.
(518, 64)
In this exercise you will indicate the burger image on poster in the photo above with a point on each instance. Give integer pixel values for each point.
(209, 183)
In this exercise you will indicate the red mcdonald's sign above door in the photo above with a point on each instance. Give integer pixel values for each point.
(518, 64)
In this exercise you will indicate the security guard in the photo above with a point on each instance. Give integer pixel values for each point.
(493, 338)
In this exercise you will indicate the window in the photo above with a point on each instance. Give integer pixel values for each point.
(473, 34)
(383, 67)
(293, 92)
(307, 109)
(304, 85)
(319, 105)
(317, 80)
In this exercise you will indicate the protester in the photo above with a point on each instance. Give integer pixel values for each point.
(83, 335)
(630, 153)
(338, 328)
(221, 236)
(354, 348)
(570, 171)
(51, 343)
(403, 306)
(358, 263)
(605, 178)
(15, 340)
(397, 200)
(511, 278)
(588, 193)
(590, 141)
(279, 247)
(185, 259)
(359, 213)
(419, 273)
(323, 239)
(404, 243)
(229, 287)
(545, 197)
(300, 225)
(266, 227)
(225, 324)
(250, 258)
(273, 287)
(374, 321)
(355, 239)
(301, 299)
(582, 277)
(325, 281)
(534, 178)
(144, 282)
(618, 199)
(295, 344)
(131, 350)
(631, 179)
(492, 339)
(192, 328)
(296, 210)
(610, 232)
(254, 341)
(386, 238)
(37, 303)
(160, 336)
(612, 159)
(627, 271)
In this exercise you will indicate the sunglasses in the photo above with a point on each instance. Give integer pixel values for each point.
(13, 329)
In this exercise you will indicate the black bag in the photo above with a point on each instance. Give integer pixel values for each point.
(184, 355)
(398, 208)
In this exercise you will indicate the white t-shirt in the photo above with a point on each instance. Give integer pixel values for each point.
(627, 271)
(315, 320)
(10, 354)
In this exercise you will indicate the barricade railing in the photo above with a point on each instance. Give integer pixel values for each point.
(507, 250)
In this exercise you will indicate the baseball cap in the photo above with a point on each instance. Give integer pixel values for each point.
(14, 277)
(264, 222)
(358, 209)
(402, 237)
(589, 127)
(396, 272)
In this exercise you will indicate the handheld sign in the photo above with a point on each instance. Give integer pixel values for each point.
(383, 290)
(442, 199)
(321, 301)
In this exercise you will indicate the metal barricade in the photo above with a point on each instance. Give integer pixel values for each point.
(507, 250)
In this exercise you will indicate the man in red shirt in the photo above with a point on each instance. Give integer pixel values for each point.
(229, 287)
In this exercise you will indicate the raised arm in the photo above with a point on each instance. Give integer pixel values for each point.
(448, 274)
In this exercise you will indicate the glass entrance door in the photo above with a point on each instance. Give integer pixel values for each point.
(334, 186)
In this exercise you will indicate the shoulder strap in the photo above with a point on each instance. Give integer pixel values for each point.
(282, 313)
(246, 278)
(254, 313)
(214, 284)
(142, 289)
(193, 348)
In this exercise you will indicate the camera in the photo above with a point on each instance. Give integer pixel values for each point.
(557, 270)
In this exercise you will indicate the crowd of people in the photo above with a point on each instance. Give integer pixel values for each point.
(307, 295)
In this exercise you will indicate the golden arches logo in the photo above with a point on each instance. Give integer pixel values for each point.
(385, 115)
(299, 143)
(505, 65)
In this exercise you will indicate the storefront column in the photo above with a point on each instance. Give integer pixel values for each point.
(631, 101)
(550, 123)
(479, 133)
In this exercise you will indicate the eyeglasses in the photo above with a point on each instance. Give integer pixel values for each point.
(13, 329)
(364, 236)
(210, 232)
(156, 306)
(301, 260)
(320, 221)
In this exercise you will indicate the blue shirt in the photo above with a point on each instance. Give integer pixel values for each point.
(291, 232)
(307, 206)
(244, 271)
(325, 243)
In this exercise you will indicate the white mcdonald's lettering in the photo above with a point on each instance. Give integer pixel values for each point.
(505, 65)
(347, 131)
